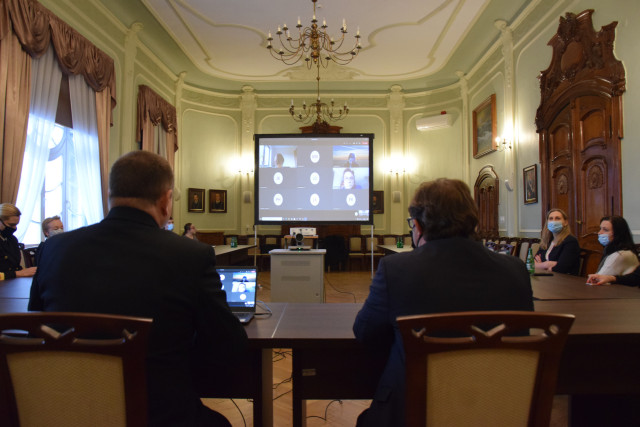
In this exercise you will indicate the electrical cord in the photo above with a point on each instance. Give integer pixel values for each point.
(325, 410)
(241, 414)
(339, 291)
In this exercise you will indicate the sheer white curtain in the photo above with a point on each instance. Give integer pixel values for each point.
(45, 88)
(87, 197)
(160, 140)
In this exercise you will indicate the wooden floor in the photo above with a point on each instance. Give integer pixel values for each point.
(340, 287)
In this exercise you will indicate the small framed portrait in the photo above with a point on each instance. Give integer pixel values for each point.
(218, 201)
(484, 127)
(195, 200)
(377, 202)
(530, 182)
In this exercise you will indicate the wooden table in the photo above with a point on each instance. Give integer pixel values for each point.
(226, 255)
(393, 249)
(567, 287)
(600, 359)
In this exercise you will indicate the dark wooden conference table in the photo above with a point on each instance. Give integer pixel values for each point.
(601, 357)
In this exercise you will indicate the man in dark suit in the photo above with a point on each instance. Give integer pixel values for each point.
(127, 264)
(448, 271)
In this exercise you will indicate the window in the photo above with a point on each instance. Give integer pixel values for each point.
(59, 188)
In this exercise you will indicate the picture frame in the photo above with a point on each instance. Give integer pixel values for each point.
(530, 184)
(217, 201)
(485, 127)
(377, 202)
(195, 200)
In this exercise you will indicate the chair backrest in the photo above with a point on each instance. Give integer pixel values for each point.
(355, 244)
(389, 239)
(64, 369)
(524, 250)
(372, 243)
(482, 368)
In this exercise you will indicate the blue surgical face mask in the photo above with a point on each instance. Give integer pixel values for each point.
(603, 239)
(170, 227)
(555, 226)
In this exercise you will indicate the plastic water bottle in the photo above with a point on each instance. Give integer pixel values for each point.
(531, 265)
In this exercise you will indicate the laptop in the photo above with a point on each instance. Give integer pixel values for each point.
(240, 284)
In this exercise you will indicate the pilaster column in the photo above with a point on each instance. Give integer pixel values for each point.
(128, 104)
(464, 94)
(248, 106)
(508, 129)
(396, 154)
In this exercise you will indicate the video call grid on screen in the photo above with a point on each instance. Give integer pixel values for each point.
(239, 285)
(314, 178)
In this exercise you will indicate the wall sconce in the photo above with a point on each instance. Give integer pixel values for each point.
(245, 166)
(503, 143)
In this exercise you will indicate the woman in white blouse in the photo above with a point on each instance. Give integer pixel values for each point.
(619, 255)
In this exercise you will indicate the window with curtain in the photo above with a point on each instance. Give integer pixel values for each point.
(61, 166)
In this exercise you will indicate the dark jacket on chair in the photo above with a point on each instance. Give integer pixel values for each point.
(127, 265)
(455, 274)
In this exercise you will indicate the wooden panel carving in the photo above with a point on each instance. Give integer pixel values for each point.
(580, 56)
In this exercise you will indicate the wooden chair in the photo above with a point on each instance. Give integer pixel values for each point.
(460, 372)
(89, 370)
(356, 252)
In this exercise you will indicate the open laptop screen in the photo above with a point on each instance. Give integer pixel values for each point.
(240, 285)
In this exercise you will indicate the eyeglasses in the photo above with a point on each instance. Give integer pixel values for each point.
(411, 223)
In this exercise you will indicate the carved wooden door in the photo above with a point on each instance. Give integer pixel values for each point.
(487, 199)
(580, 125)
(583, 172)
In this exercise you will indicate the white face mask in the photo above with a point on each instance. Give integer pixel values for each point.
(57, 231)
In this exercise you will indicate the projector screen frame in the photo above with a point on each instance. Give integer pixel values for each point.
(307, 140)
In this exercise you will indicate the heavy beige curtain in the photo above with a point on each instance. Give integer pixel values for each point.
(26, 30)
(153, 110)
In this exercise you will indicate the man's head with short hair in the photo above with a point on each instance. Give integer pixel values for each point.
(142, 180)
(444, 208)
(140, 175)
(50, 223)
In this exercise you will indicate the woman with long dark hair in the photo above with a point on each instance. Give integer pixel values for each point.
(619, 256)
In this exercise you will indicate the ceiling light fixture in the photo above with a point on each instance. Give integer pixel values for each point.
(317, 48)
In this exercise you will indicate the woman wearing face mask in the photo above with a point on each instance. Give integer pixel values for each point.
(9, 250)
(559, 250)
(619, 256)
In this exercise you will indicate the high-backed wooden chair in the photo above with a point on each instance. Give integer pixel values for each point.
(356, 252)
(371, 244)
(88, 371)
(482, 368)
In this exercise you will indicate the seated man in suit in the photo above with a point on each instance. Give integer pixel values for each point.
(127, 264)
(449, 270)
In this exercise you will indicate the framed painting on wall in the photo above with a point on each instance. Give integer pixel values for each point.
(530, 182)
(195, 200)
(218, 201)
(484, 127)
(377, 202)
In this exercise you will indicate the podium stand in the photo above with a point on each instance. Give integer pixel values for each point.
(297, 275)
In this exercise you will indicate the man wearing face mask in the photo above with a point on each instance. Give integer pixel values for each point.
(50, 227)
(127, 264)
(449, 270)
(9, 250)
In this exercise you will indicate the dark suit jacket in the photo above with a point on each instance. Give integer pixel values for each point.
(9, 257)
(566, 254)
(127, 265)
(446, 275)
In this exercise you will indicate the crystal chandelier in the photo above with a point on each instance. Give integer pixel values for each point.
(317, 48)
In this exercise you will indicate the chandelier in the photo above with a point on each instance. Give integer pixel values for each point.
(317, 48)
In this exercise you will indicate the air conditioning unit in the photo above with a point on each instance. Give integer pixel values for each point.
(442, 121)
